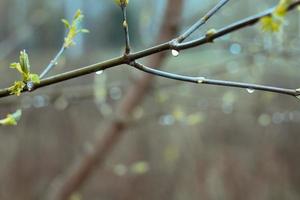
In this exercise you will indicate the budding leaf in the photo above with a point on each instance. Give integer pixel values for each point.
(74, 28)
(11, 119)
(275, 21)
(270, 24)
(17, 88)
(282, 7)
(23, 67)
(122, 2)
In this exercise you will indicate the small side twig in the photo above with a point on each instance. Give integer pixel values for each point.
(53, 62)
(202, 21)
(126, 30)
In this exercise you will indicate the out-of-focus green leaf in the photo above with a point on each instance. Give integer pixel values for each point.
(11, 119)
(74, 28)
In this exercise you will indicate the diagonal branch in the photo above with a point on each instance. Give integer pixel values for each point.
(243, 23)
(53, 62)
(202, 21)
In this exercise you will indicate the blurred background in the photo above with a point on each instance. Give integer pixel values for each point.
(184, 141)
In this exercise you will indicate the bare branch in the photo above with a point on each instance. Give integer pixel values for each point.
(53, 62)
(126, 30)
(243, 23)
(203, 80)
(202, 21)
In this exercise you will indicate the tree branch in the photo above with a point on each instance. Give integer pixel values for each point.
(202, 21)
(125, 26)
(203, 80)
(153, 50)
(53, 62)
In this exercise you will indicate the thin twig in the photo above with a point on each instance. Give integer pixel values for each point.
(53, 62)
(126, 30)
(203, 80)
(243, 23)
(202, 21)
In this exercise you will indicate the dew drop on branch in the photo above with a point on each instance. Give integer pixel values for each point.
(298, 93)
(30, 86)
(250, 91)
(99, 72)
(54, 62)
(175, 53)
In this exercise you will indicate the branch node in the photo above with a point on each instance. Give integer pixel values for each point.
(126, 58)
(174, 45)
(209, 35)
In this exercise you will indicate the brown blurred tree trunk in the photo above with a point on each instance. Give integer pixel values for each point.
(77, 174)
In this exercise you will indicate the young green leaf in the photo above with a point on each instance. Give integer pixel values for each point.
(270, 24)
(122, 2)
(74, 28)
(34, 78)
(11, 119)
(23, 67)
(275, 21)
(17, 88)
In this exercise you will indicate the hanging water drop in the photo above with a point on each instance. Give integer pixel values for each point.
(30, 86)
(99, 72)
(175, 53)
(250, 91)
(298, 93)
(54, 62)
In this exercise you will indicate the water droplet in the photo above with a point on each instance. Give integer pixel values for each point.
(40, 101)
(140, 167)
(166, 120)
(201, 80)
(99, 72)
(115, 93)
(264, 120)
(250, 91)
(175, 53)
(120, 170)
(235, 49)
(278, 118)
(54, 62)
(30, 86)
(227, 108)
(61, 103)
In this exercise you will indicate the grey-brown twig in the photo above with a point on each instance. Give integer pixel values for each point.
(202, 21)
(203, 80)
